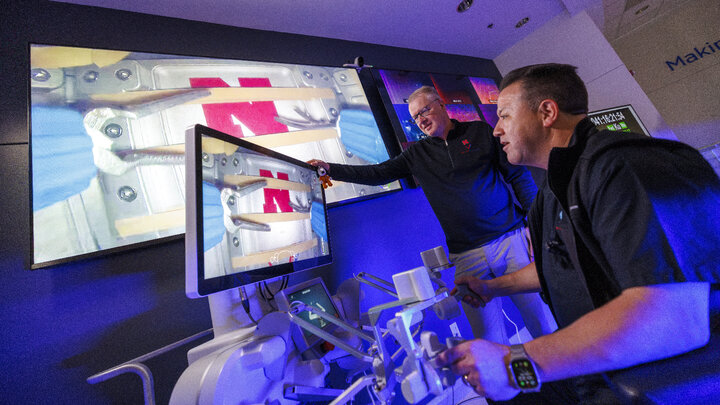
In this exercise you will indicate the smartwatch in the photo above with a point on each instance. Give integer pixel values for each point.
(523, 373)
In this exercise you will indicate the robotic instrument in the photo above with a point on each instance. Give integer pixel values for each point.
(281, 359)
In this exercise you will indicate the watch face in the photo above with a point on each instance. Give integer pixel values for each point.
(524, 374)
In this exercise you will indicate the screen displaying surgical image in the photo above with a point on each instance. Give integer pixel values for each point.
(107, 132)
(258, 211)
(465, 98)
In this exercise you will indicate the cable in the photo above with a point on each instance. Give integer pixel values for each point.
(269, 293)
(266, 294)
(249, 315)
(245, 301)
(469, 399)
(258, 288)
(517, 332)
(370, 394)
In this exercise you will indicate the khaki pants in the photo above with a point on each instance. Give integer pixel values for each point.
(506, 254)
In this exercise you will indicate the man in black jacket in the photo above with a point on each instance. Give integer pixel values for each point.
(626, 242)
(464, 173)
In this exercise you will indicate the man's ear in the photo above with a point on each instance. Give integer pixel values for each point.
(549, 112)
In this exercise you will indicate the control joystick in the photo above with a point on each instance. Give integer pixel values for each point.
(463, 289)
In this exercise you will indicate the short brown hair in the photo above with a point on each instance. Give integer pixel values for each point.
(553, 81)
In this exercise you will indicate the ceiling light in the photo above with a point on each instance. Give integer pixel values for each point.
(522, 22)
(464, 5)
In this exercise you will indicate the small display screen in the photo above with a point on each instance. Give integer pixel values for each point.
(316, 296)
(260, 214)
(524, 374)
(621, 119)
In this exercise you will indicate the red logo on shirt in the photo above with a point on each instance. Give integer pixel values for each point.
(467, 144)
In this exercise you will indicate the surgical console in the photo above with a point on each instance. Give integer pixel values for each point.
(254, 217)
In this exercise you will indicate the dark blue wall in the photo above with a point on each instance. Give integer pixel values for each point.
(62, 324)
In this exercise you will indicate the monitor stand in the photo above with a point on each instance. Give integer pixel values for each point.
(244, 363)
(231, 324)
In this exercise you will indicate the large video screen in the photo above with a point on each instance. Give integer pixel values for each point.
(466, 98)
(107, 134)
(252, 213)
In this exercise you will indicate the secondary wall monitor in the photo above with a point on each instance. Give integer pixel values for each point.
(622, 118)
(465, 98)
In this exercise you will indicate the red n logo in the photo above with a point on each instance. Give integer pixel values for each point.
(275, 196)
(258, 116)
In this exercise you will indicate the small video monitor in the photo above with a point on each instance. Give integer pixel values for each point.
(312, 292)
(252, 214)
(619, 119)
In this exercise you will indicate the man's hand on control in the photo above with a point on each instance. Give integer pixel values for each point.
(478, 286)
(482, 365)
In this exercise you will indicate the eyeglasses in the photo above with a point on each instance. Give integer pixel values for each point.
(424, 111)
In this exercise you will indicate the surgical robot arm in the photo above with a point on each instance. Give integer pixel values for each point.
(418, 375)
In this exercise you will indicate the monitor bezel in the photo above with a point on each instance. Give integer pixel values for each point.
(196, 285)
